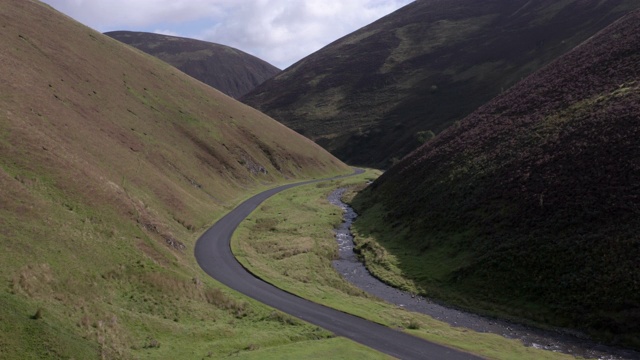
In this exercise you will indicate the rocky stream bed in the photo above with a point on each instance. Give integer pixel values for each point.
(354, 271)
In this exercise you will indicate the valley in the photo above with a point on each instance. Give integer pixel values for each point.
(214, 256)
(294, 250)
(146, 213)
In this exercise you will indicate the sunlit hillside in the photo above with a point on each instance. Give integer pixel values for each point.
(111, 165)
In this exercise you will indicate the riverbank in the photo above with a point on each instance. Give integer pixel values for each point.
(354, 271)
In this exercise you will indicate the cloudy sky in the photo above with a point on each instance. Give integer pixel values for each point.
(278, 31)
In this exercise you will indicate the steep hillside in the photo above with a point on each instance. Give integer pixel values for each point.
(378, 93)
(111, 164)
(529, 206)
(229, 70)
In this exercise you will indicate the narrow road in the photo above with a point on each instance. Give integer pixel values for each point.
(213, 253)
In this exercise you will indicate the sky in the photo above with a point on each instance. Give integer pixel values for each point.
(280, 32)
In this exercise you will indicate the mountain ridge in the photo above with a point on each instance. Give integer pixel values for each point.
(227, 69)
(371, 96)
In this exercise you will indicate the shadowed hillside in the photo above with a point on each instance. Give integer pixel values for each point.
(530, 206)
(229, 70)
(112, 163)
(375, 95)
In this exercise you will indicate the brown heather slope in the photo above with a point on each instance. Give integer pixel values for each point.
(368, 96)
(229, 70)
(530, 206)
(111, 164)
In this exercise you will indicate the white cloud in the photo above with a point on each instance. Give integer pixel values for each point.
(166, 32)
(284, 31)
(278, 31)
(113, 14)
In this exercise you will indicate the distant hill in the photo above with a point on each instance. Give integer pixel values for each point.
(112, 163)
(229, 70)
(375, 95)
(530, 206)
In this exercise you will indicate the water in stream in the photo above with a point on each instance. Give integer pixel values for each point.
(354, 271)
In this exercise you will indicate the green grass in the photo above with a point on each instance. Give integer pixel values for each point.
(289, 242)
(111, 301)
(105, 187)
(17, 318)
(396, 263)
(423, 266)
(337, 348)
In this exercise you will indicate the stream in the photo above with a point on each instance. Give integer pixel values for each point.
(354, 271)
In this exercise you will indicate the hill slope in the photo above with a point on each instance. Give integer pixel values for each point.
(229, 70)
(112, 163)
(375, 94)
(530, 205)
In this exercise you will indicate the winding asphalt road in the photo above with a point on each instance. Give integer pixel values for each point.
(213, 253)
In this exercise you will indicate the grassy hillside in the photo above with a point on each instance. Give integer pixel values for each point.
(229, 70)
(529, 206)
(378, 93)
(111, 164)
